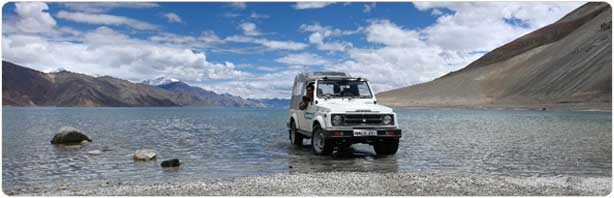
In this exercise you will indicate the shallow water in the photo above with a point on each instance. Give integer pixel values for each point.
(228, 142)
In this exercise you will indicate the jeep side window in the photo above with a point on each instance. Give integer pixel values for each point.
(298, 90)
(308, 97)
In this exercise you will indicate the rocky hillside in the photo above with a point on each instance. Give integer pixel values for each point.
(202, 97)
(568, 62)
(22, 86)
(273, 102)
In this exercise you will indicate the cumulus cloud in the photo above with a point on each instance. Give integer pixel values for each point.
(104, 51)
(172, 17)
(271, 85)
(304, 59)
(249, 29)
(33, 17)
(99, 7)
(411, 56)
(385, 32)
(320, 33)
(482, 26)
(310, 5)
(105, 19)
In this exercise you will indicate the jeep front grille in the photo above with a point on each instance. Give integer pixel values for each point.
(361, 119)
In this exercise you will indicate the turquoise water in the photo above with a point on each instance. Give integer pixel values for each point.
(228, 142)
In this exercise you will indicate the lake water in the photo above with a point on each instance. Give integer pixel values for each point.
(227, 142)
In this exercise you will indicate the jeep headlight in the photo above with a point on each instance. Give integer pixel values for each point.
(387, 120)
(337, 120)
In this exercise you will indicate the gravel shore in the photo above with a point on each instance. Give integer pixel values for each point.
(362, 184)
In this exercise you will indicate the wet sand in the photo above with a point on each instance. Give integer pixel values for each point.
(360, 184)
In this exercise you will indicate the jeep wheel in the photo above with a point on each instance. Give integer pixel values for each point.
(386, 147)
(320, 145)
(295, 137)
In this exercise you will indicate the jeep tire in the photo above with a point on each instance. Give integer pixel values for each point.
(388, 147)
(319, 144)
(295, 137)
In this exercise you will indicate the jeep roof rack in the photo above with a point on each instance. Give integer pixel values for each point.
(325, 75)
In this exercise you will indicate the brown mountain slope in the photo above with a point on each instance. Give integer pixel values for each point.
(26, 87)
(568, 62)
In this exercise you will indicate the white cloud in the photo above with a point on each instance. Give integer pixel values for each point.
(436, 12)
(271, 85)
(206, 39)
(254, 15)
(410, 56)
(271, 44)
(288, 45)
(385, 32)
(310, 5)
(173, 18)
(239, 5)
(327, 30)
(269, 69)
(249, 29)
(320, 33)
(33, 18)
(105, 19)
(368, 7)
(106, 52)
(99, 7)
(306, 59)
(481, 26)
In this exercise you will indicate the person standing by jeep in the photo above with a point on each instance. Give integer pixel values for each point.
(308, 98)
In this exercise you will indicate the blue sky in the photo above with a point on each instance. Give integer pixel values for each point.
(254, 49)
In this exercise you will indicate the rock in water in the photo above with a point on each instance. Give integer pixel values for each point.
(69, 135)
(144, 154)
(171, 163)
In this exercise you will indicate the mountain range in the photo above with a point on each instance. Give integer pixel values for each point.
(568, 62)
(22, 86)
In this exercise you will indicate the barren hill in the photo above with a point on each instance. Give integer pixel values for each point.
(566, 63)
(22, 86)
(26, 87)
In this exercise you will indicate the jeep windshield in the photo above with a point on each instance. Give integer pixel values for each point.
(343, 88)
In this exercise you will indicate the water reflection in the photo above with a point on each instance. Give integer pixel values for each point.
(357, 158)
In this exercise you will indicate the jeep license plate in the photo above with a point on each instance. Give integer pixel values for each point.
(365, 132)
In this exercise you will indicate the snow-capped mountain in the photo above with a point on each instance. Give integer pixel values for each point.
(160, 81)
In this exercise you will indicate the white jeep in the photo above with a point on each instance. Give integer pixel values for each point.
(341, 111)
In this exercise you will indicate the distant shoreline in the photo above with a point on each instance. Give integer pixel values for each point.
(356, 184)
(548, 107)
(585, 107)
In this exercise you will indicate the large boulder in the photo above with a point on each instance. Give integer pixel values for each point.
(69, 135)
(144, 155)
(171, 163)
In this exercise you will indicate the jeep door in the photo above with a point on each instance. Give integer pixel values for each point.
(306, 115)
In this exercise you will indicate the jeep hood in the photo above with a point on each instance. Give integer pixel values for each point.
(343, 105)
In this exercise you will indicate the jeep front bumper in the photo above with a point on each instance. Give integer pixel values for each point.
(347, 135)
